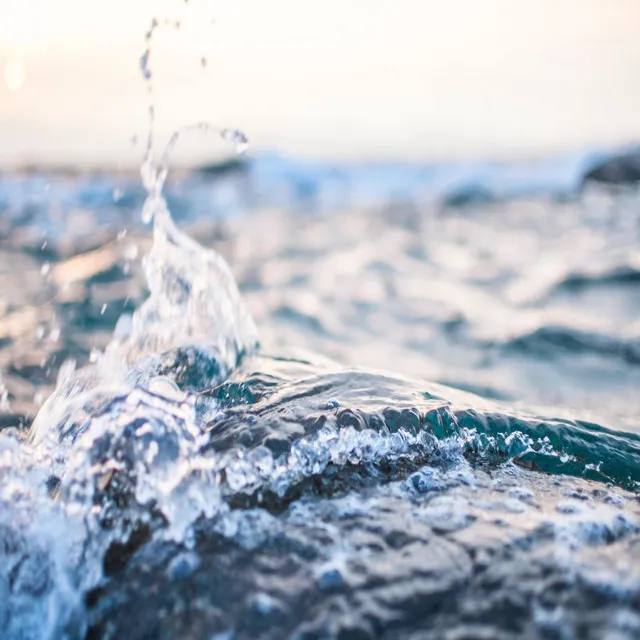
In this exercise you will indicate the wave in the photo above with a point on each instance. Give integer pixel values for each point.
(270, 179)
(556, 341)
(624, 275)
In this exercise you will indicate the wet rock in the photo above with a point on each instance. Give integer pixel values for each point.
(345, 568)
(619, 170)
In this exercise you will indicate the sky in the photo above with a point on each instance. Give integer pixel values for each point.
(340, 79)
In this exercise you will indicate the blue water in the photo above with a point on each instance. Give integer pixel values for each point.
(271, 179)
(415, 414)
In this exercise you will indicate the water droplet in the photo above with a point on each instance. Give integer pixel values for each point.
(117, 194)
(45, 268)
(104, 308)
(237, 139)
(144, 64)
(154, 24)
(203, 62)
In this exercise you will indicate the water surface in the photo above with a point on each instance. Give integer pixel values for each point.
(436, 437)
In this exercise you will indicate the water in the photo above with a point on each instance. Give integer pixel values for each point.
(179, 483)
(419, 419)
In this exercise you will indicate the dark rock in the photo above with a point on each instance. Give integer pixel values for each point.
(402, 577)
(623, 169)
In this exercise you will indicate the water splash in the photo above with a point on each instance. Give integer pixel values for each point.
(116, 444)
(194, 303)
(193, 328)
(194, 315)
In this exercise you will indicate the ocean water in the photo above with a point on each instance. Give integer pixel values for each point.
(415, 414)
(282, 399)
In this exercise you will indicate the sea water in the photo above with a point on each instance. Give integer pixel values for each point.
(408, 409)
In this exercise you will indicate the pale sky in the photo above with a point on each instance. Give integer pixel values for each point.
(414, 79)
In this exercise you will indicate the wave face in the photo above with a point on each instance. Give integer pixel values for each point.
(179, 481)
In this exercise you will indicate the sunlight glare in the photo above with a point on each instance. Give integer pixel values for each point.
(14, 74)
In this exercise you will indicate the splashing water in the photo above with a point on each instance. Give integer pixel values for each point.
(193, 327)
(194, 303)
(127, 420)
